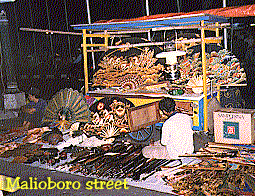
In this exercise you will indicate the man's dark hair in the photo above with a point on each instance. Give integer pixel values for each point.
(167, 104)
(34, 91)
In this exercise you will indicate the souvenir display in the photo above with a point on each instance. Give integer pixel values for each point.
(118, 160)
(222, 66)
(142, 67)
(109, 117)
(137, 91)
(130, 69)
(222, 170)
(11, 135)
(65, 108)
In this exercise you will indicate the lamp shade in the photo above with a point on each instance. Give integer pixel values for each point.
(6, 1)
(171, 57)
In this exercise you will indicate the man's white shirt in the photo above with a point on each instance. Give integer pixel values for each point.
(177, 135)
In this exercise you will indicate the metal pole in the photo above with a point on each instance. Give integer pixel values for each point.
(147, 14)
(178, 6)
(16, 22)
(67, 28)
(232, 34)
(50, 35)
(6, 54)
(32, 25)
(91, 41)
(147, 8)
(225, 30)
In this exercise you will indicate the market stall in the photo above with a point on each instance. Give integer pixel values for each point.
(147, 88)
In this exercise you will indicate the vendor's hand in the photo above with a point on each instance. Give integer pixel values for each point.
(26, 125)
(31, 111)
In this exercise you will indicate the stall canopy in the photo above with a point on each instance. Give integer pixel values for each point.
(171, 19)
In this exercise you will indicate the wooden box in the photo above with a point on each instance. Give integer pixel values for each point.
(143, 116)
(234, 126)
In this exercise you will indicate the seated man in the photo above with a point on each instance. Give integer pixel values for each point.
(34, 110)
(177, 134)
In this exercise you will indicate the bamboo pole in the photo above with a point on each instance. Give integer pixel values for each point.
(218, 93)
(48, 31)
(85, 57)
(218, 86)
(217, 30)
(106, 39)
(204, 76)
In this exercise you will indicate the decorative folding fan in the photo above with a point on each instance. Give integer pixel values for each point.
(65, 108)
(109, 117)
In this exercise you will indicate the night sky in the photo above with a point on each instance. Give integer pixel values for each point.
(51, 14)
(61, 14)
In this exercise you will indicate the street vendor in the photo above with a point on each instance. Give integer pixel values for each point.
(176, 136)
(33, 111)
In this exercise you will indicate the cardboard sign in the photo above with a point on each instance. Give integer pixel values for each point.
(234, 126)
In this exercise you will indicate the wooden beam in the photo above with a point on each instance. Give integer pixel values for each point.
(95, 45)
(98, 35)
(212, 40)
(49, 31)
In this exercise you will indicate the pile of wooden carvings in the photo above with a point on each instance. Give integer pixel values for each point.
(11, 135)
(8, 146)
(118, 160)
(8, 138)
(224, 67)
(21, 150)
(29, 153)
(27, 136)
(35, 135)
(128, 73)
(28, 147)
(223, 170)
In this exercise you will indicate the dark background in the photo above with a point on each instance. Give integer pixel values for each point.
(46, 61)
